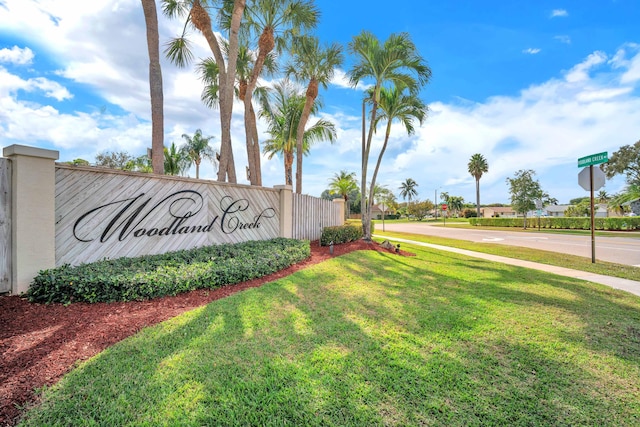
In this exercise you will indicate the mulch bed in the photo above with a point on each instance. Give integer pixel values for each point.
(40, 343)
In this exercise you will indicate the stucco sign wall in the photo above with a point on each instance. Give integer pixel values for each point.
(110, 214)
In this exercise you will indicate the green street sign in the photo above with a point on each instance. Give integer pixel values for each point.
(594, 159)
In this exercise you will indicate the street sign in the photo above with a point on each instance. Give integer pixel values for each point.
(594, 159)
(444, 207)
(598, 179)
(592, 179)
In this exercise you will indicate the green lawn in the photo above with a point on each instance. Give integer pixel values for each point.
(375, 339)
(535, 255)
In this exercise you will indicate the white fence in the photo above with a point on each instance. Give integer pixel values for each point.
(311, 215)
(5, 225)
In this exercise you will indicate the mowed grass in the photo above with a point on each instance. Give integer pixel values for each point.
(535, 255)
(373, 339)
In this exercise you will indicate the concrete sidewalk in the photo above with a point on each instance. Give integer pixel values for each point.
(631, 286)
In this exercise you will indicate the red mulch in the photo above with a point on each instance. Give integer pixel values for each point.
(40, 343)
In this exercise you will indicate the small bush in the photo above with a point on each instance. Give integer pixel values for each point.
(341, 234)
(470, 213)
(129, 279)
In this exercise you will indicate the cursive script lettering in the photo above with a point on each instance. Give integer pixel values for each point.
(137, 217)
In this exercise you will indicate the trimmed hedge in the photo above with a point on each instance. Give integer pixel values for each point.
(129, 279)
(341, 234)
(568, 223)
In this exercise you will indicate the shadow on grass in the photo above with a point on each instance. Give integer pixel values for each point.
(376, 339)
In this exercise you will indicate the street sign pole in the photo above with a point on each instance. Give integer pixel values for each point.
(593, 221)
(594, 159)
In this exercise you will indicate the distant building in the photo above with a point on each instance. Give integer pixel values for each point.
(635, 206)
(557, 211)
(501, 212)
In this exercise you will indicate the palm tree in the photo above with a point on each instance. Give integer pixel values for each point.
(179, 53)
(208, 70)
(395, 61)
(275, 21)
(344, 183)
(603, 197)
(315, 66)
(477, 166)
(175, 160)
(197, 148)
(155, 86)
(408, 189)
(455, 204)
(282, 111)
(394, 105)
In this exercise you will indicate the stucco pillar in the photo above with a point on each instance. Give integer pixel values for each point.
(33, 213)
(340, 202)
(286, 210)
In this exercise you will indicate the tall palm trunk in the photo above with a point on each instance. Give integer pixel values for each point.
(366, 149)
(375, 171)
(288, 167)
(477, 198)
(255, 144)
(201, 20)
(311, 95)
(155, 86)
(266, 43)
(198, 168)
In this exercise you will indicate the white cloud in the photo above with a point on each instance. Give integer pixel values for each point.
(579, 73)
(590, 108)
(10, 83)
(16, 55)
(531, 51)
(555, 13)
(341, 79)
(563, 39)
(546, 127)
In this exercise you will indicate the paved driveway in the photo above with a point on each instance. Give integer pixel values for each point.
(621, 250)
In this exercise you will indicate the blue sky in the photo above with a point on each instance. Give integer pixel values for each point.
(529, 84)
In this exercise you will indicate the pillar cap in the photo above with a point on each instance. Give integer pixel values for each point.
(283, 187)
(24, 150)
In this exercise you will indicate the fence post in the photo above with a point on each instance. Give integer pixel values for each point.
(32, 213)
(5, 225)
(286, 210)
(340, 202)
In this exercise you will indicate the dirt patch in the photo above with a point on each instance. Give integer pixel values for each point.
(39, 343)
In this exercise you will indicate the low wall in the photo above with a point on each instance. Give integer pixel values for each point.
(104, 213)
(55, 214)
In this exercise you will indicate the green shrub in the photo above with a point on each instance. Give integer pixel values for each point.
(568, 223)
(341, 234)
(129, 279)
(358, 222)
(470, 213)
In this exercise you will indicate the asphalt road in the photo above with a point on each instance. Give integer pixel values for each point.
(621, 250)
